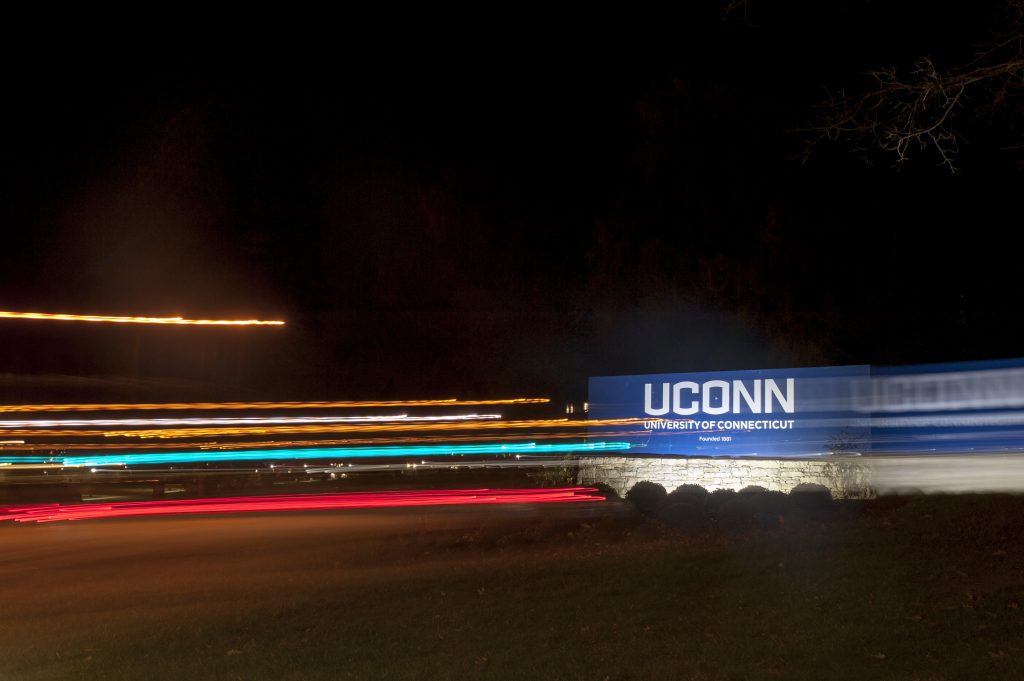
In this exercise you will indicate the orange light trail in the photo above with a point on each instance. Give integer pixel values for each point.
(46, 316)
(168, 433)
(249, 421)
(345, 404)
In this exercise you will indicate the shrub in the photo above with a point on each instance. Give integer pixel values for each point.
(719, 497)
(692, 494)
(685, 515)
(734, 511)
(769, 507)
(751, 507)
(807, 491)
(813, 500)
(646, 496)
(605, 490)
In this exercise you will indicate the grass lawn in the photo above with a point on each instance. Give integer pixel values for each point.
(922, 588)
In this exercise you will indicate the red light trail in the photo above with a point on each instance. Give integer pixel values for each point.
(41, 513)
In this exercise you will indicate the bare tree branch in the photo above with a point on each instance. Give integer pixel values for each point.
(922, 110)
(732, 7)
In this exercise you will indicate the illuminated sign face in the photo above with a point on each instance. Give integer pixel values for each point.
(778, 412)
(713, 397)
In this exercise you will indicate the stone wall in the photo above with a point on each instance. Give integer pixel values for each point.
(845, 477)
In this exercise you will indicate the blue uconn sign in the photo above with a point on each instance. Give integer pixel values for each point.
(773, 413)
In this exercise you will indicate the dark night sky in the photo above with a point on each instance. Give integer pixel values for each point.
(439, 218)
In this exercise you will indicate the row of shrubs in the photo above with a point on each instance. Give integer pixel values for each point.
(693, 508)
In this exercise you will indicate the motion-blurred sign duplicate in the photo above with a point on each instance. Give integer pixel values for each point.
(965, 407)
(769, 413)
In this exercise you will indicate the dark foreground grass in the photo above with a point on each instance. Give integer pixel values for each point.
(925, 589)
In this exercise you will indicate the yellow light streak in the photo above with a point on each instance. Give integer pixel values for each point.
(209, 406)
(178, 433)
(46, 316)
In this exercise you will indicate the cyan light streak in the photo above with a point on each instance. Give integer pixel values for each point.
(129, 459)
